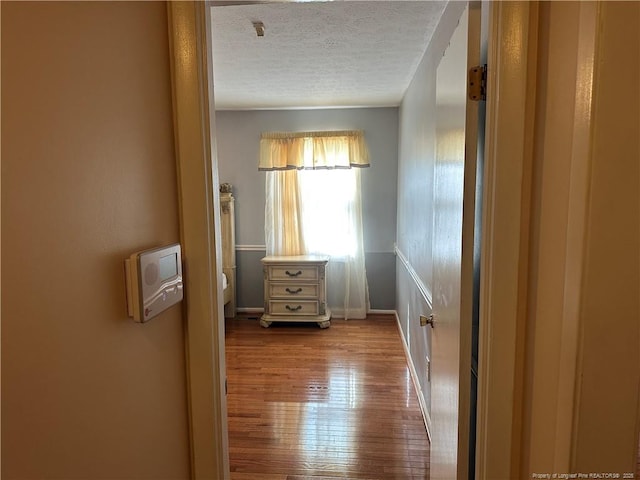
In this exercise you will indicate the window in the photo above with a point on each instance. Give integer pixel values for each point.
(329, 200)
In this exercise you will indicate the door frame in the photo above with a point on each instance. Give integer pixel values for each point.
(508, 446)
(512, 57)
(505, 215)
(200, 235)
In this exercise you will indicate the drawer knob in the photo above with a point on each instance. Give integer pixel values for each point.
(299, 272)
(293, 309)
(297, 290)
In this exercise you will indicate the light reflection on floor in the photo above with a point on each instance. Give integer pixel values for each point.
(329, 420)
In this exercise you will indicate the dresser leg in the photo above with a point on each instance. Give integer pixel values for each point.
(325, 324)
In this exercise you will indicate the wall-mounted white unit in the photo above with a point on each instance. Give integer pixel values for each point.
(154, 281)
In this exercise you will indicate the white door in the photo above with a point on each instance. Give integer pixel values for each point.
(453, 242)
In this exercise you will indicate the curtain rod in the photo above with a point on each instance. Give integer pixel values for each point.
(330, 133)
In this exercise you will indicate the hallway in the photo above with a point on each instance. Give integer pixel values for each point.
(310, 403)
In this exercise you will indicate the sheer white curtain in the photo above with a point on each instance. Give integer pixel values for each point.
(332, 225)
(313, 206)
(283, 214)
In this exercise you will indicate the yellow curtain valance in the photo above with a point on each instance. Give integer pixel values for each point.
(311, 150)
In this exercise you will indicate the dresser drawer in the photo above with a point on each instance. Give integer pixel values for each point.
(293, 307)
(298, 273)
(293, 290)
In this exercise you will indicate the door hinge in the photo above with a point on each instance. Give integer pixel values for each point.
(477, 86)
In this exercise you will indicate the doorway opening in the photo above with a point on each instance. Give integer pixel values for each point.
(232, 169)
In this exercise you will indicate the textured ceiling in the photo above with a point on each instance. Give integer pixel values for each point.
(319, 54)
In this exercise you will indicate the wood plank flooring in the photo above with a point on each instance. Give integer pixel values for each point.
(311, 403)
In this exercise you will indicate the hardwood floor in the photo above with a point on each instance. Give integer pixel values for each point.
(311, 403)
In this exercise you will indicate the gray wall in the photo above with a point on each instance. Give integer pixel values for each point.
(238, 135)
(415, 198)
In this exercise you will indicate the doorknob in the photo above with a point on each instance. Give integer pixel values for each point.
(424, 321)
(431, 321)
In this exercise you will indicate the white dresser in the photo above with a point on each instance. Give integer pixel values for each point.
(295, 290)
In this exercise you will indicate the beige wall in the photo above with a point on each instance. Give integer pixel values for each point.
(88, 176)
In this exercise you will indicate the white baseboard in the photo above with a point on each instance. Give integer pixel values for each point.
(383, 312)
(416, 384)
